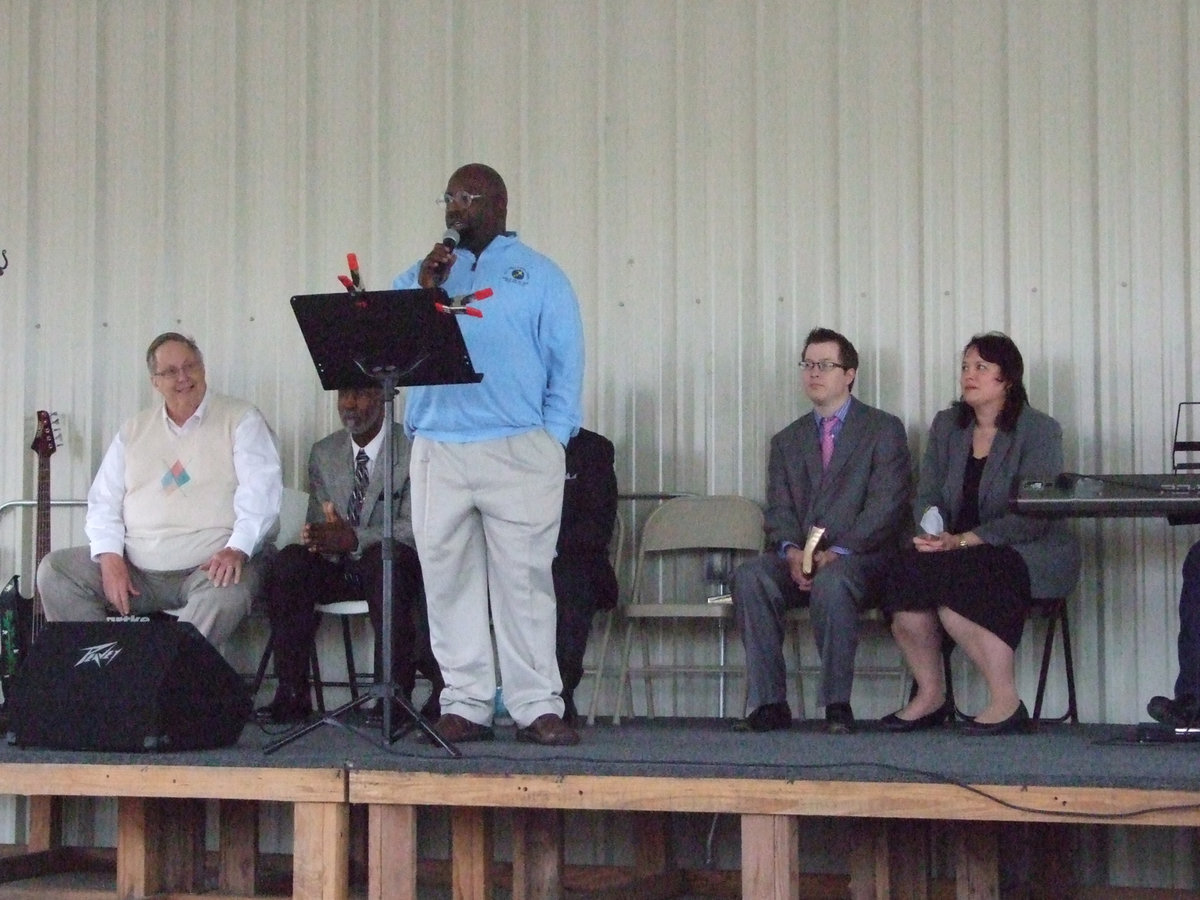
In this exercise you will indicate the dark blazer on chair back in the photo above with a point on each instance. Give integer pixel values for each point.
(589, 514)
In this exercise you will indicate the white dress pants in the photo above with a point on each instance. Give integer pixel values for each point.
(486, 516)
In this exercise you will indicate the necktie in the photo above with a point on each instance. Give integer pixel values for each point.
(827, 439)
(361, 477)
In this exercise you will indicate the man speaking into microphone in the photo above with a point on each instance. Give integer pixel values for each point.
(487, 468)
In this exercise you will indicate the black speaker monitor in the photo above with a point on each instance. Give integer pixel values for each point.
(126, 686)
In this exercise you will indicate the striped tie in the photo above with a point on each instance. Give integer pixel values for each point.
(361, 477)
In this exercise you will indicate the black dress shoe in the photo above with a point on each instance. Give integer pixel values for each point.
(939, 716)
(1182, 712)
(839, 718)
(287, 708)
(768, 717)
(1017, 723)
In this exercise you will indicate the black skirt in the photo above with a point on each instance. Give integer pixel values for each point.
(986, 584)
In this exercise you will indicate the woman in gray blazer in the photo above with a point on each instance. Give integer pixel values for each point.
(973, 570)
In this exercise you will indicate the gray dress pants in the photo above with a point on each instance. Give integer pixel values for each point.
(72, 591)
(763, 591)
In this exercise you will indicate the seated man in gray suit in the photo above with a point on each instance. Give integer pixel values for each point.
(843, 467)
(340, 558)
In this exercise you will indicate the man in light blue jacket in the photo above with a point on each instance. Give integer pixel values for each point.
(488, 465)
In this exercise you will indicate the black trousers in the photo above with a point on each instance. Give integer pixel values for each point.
(576, 599)
(299, 578)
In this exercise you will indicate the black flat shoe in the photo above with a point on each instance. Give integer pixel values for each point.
(934, 719)
(1017, 723)
(1182, 712)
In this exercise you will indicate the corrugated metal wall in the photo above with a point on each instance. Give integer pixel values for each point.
(716, 178)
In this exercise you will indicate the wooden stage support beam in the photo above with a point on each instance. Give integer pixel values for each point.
(889, 859)
(321, 851)
(238, 847)
(837, 799)
(160, 846)
(976, 864)
(471, 852)
(771, 857)
(909, 846)
(45, 823)
(537, 847)
(870, 877)
(391, 852)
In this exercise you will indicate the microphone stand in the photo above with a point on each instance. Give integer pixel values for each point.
(385, 688)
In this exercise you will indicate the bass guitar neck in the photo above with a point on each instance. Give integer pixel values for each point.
(45, 442)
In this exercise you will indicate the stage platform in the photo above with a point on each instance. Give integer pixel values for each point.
(892, 786)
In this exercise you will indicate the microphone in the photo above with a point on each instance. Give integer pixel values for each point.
(449, 241)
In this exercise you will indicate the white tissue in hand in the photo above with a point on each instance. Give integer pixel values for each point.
(931, 522)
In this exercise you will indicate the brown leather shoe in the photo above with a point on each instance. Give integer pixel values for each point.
(457, 730)
(550, 731)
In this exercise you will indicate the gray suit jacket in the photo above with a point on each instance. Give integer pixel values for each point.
(862, 500)
(1032, 450)
(331, 477)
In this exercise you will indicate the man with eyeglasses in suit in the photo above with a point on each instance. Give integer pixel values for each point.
(843, 467)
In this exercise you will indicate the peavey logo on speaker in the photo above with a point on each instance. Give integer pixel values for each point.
(101, 654)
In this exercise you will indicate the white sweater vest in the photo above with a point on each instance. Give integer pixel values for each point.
(179, 488)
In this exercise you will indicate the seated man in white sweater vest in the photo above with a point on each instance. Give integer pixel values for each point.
(182, 504)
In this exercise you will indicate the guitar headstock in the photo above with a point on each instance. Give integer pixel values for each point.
(48, 436)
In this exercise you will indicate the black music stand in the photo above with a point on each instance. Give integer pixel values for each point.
(391, 339)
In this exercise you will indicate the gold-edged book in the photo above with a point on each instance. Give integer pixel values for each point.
(810, 547)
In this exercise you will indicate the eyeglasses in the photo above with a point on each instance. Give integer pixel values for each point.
(187, 370)
(824, 365)
(462, 198)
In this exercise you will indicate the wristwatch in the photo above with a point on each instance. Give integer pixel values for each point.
(962, 542)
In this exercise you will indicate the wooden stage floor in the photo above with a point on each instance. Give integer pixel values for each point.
(891, 786)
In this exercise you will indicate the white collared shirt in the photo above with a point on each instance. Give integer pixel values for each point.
(374, 448)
